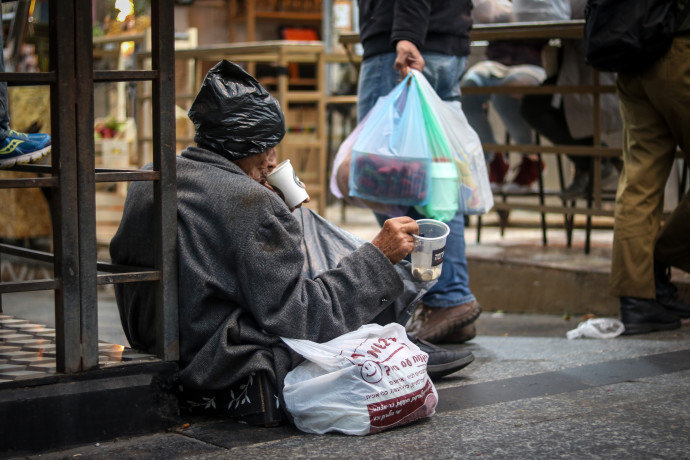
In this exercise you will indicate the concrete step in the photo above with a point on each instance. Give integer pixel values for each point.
(62, 410)
(508, 280)
(517, 273)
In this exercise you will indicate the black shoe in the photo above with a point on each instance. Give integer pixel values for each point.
(667, 292)
(578, 188)
(640, 316)
(441, 361)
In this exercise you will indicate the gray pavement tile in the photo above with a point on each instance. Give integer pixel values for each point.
(498, 358)
(10, 367)
(32, 360)
(47, 367)
(161, 447)
(12, 356)
(9, 348)
(625, 421)
(230, 434)
(20, 374)
(9, 338)
(26, 342)
(41, 348)
(13, 323)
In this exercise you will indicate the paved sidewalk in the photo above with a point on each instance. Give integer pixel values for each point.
(531, 393)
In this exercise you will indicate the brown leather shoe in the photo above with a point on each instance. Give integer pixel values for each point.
(434, 324)
(462, 335)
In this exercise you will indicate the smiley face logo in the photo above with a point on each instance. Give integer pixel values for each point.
(371, 372)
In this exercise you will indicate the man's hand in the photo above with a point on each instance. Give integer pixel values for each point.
(408, 57)
(395, 239)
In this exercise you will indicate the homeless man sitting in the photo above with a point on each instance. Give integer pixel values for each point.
(252, 270)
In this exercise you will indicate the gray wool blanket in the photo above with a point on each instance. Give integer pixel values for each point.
(251, 271)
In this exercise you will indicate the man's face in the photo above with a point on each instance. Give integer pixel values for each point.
(258, 166)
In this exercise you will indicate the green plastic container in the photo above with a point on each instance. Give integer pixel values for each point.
(443, 201)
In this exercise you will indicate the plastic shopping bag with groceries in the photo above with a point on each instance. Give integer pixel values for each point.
(362, 382)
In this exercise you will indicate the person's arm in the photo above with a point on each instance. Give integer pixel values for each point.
(410, 26)
(284, 302)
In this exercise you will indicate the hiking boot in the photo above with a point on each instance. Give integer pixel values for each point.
(667, 292)
(498, 168)
(434, 324)
(640, 316)
(525, 180)
(442, 362)
(20, 148)
(462, 335)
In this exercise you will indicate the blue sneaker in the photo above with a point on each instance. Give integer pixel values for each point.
(20, 148)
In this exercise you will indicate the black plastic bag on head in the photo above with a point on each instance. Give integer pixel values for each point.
(234, 115)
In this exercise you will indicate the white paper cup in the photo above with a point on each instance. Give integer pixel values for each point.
(284, 180)
(429, 247)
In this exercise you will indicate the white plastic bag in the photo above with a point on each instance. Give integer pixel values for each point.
(475, 194)
(362, 382)
(339, 183)
(391, 156)
(597, 328)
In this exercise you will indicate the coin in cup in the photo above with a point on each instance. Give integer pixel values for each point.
(284, 180)
(429, 247)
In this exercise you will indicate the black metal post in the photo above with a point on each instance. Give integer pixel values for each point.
(64, 167)
(86, 187)
(165, 189)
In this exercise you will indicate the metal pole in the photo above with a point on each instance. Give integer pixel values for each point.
(64, 167)
(165, 189)
(86, 188)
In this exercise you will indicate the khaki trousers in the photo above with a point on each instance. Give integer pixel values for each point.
(655, 107)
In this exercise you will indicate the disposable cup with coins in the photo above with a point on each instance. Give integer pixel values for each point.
(429, 246)
(284, 181)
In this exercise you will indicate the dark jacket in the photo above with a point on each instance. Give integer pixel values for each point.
(439, 26)
(682, 17)
(241, 282)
